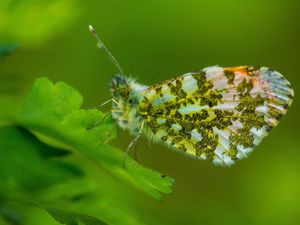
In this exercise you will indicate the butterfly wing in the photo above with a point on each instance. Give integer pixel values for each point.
(219, 113)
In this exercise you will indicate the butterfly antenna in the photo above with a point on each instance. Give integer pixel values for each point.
(101, 45)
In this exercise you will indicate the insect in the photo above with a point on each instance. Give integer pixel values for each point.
(217, 113)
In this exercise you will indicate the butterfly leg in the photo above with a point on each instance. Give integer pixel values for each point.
(107, 114)
(100, 121)
(104, 103)
(135, 152)
(110, 133)
(133, 143)
(103, 119)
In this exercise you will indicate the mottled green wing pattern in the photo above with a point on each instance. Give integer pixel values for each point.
(219, 114)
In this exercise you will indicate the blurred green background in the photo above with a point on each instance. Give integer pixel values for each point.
(156, 40)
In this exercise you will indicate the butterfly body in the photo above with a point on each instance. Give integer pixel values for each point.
(219, 114)
(128, 95)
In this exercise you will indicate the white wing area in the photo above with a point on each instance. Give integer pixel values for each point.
(219, 113)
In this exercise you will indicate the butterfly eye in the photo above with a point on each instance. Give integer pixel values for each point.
(123, 89)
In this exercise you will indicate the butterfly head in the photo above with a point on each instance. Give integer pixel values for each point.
(120, 87)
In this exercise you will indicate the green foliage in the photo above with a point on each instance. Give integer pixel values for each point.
(6, 49)
(55, 156)
(16, 142)
(8, 102)
(31, 22)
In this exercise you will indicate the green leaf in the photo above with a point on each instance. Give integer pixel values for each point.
(49, 103)
(10, 215)
(33, 174)
(50, 120)
(19, 148)
(54, 111)
(73, 218)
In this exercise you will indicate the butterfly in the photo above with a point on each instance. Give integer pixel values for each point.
(217, 113)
